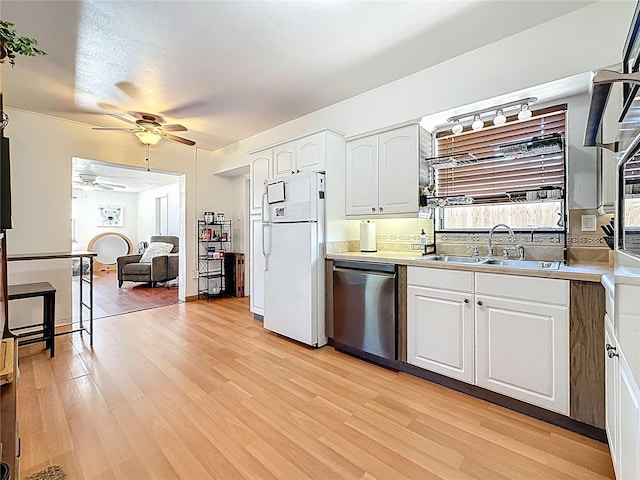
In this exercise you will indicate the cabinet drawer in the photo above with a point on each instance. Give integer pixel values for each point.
(535, 289)
(440, 278)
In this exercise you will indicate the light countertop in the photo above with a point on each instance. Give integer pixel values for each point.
(583, 271)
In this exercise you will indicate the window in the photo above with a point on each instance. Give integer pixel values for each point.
(515, 173)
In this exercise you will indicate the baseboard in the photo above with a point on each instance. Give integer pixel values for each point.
(191, 298)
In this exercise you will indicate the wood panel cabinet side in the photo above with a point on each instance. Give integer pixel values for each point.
(402, 313)
(328, 293)
(586, 344)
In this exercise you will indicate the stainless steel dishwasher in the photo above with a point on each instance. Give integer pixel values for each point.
(364, 307)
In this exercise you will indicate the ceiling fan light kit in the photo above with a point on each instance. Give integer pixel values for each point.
(149, 129)
(147, 137)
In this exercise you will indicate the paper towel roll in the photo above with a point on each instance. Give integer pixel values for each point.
(368, 237)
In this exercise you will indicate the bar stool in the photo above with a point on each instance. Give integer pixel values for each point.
(45, 330)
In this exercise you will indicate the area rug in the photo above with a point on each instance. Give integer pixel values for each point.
(52, 472)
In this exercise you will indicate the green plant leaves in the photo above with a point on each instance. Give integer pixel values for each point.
(14, 45)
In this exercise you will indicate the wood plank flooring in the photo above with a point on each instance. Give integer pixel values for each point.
(200, 390)
(110, 300)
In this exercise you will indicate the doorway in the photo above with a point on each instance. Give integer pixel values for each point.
(112, 200)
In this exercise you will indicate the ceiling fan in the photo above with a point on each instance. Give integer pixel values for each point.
(90, 181)
(149, 129)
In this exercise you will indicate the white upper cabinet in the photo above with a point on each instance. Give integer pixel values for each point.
(362, 176)
(304, 154)
(398, 171)
(311, 152)
(260, 168)
(284, 160)
(382, 173)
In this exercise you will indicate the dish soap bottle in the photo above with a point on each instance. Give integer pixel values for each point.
(423, 242)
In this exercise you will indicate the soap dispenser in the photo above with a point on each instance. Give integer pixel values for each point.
(423, 242)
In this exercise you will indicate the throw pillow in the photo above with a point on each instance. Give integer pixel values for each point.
(156, 249)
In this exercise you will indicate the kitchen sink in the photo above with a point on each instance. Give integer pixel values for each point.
(495, 261)
(455, 259)
(503, 262)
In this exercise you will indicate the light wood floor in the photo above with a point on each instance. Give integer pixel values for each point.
(199, 390)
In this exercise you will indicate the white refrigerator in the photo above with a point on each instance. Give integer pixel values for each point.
(293, 223)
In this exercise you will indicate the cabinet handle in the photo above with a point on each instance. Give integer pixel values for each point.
(380, 208)
(466, 300)
(373, 209)
(480, 302)
(612, 351)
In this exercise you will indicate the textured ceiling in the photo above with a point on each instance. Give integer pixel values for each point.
(133, 179)
(230, 69)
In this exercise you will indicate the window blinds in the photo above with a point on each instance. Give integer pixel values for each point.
(492, 174)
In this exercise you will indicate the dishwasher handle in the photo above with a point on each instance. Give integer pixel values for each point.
(364, 272)
(364, 266)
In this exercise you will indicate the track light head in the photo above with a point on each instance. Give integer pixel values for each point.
(500, 118)
(525, 113)
(477, 123)
(457, 127)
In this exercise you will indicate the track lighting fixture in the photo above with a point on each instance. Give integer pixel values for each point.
(457, 127)
(477, 123)
(499, 117)
(525, 113)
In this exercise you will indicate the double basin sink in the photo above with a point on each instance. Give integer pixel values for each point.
(494, 261)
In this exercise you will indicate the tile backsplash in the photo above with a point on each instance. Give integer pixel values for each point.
(402, 235)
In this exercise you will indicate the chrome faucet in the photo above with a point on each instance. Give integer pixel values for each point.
(493, 229)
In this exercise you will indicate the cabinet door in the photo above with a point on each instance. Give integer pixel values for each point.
(310, 153)
(629, 446)
(260, 172)
(362, 176)
(256, 281)
(611, 395)
(440, 331)
(522, 351)
(284, 160)
(398, 170)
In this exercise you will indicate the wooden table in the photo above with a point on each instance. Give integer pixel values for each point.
(47, 328)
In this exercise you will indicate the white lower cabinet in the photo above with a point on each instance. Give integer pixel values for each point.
(256, 284)
(611, 367)
(522, 350)
(629, 426)
(622, 420)
(495, 331)
(441, 335)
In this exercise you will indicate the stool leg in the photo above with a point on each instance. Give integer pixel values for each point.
(52, 327)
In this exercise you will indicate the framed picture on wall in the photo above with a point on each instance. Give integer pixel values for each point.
(110, 216)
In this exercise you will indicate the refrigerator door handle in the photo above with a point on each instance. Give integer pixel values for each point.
(264, 208)
(265, 254)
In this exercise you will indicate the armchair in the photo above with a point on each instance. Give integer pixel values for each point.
(162, 268)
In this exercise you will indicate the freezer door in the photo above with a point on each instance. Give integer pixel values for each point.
(294, 198)
(291, 304)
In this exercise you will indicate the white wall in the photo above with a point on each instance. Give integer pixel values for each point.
(147, 211)
(582, 40)
(87, 203)
(575, 43)
(42, 149)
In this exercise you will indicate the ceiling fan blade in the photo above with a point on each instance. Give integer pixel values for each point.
(116, 129)
(175, 138)
(114, 185)
(101, 186)
(119, 117)
(174, 128)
